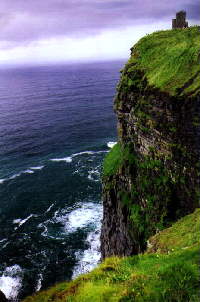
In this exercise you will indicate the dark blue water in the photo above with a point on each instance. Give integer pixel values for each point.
(55, 126)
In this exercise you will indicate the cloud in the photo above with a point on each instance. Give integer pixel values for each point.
(194, 9)
(24, 21)
(63, 30)
(109, 45)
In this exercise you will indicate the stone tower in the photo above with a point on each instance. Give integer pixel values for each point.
(180, 21)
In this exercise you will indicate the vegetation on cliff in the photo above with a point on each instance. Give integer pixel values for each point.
(116, 158)
(151, 177)
(170, 60)
(113, 160)
(152, 181)
(167, 271)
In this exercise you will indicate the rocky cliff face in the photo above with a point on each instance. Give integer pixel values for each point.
(151, 177)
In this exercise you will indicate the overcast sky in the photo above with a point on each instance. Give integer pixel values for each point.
(36, 31)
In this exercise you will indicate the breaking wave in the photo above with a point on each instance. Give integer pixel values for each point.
(11, 282)
(31, 170)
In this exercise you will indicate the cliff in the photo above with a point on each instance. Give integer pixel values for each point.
(151, 177)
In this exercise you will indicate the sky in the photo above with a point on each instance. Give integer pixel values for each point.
(53, 31)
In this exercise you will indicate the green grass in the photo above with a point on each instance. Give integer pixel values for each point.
(169, 60)
(113, 160)
(118, 157)
(167, 272)
(182, 235)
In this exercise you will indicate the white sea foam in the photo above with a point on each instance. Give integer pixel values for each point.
(94, 174)
(11, 281)
(15, 175)
(30, 170)
(56, 214)
(76, 171)
(39, 283)
(20, 222)
(46, 233)
(66, 159)
(37, 168)
(49, 208)
(3, 240)
(69, 159)
(90, 257)
(85, 215)
(88, 214)
(111, 144)
(4, 243)
(17, 221)
(43, 225)
(82, 153)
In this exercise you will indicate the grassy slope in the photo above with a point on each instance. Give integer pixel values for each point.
(170, 60)
(168, 272)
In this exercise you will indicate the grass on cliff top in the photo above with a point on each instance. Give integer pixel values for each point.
(170, 60)
(170, 274)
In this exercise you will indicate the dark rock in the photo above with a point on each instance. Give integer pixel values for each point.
(3, 297)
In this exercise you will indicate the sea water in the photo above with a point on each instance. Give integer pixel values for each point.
(56, 126)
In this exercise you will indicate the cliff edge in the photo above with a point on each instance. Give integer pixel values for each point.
(151, 177)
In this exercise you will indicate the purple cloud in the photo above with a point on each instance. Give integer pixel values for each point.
(23, 21)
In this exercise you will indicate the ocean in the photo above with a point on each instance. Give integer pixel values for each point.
(56, 126)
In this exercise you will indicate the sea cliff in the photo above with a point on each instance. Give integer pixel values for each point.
(150, 180)
(151, 177)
